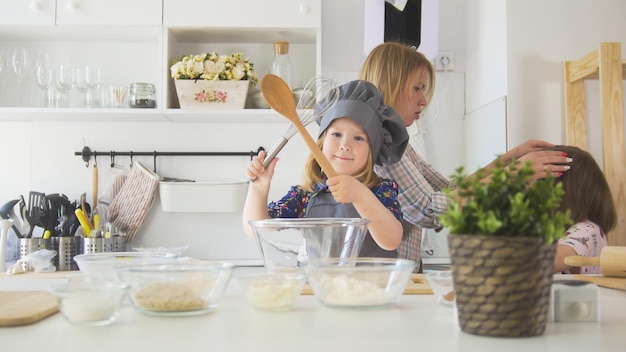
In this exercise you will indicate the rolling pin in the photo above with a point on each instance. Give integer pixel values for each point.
(612, 261)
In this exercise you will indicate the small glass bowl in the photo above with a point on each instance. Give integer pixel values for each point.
(176, 289)
(442, 286)
(102, 265)
(358, 283)
(273, 291)
(90, 303)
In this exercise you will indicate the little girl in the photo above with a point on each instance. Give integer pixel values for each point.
(357, 132)
(588, 197)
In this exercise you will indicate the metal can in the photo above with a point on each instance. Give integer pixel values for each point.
(142, 95)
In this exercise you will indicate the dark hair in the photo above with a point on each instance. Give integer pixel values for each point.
(587, 193)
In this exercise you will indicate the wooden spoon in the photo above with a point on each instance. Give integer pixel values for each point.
(279, 97)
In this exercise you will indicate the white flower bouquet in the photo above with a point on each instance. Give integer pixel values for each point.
(215, 67)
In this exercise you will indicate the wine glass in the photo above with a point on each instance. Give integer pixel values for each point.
(92, 79)
(43, 74)
(20, 64)
(4, 68)
(80, 82)
(65, 81)
(44, 81)
(4, 64)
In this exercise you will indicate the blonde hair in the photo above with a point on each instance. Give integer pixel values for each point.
(313, 172)
(389, 67)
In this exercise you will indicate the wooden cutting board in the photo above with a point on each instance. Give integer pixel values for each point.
(34, 275)
(418, 285)
(604, 281)
(26, 307)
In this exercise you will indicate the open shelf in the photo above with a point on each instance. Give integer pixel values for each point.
(129, 47)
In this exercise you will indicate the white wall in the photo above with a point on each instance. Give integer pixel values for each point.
(485, 40)
(540, 36)
(562, 30)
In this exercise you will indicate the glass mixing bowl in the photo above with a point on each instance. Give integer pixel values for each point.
(285, 243)
(358, 283)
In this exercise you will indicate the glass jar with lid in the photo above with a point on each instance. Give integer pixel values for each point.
(281, 65)
(141, 95)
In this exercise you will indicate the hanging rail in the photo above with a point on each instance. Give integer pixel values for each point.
(87, 153)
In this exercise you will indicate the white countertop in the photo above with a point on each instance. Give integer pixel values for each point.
(417, 323)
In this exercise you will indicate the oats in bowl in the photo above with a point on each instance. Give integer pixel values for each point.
(175, 289)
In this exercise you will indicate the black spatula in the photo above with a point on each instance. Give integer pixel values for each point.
(36, 210)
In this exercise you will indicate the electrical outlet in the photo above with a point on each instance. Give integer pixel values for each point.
(444, 61)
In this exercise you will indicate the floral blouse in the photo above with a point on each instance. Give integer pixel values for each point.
(294, 203)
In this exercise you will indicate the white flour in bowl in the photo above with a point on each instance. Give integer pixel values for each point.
(346, 291)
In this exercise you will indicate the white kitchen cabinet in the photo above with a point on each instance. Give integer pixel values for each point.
(243, 13)
(122, 38)
(109, 12)
(81, 12)
(137, 40)
(27, 12)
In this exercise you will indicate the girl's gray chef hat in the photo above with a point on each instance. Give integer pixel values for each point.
(363, 103)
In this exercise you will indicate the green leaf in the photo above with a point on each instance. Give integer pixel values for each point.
(511, 203)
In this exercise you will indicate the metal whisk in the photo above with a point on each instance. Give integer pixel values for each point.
(317, 88)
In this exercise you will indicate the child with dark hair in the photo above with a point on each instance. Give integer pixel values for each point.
(588, 198)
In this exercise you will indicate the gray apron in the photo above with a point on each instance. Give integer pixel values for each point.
(323, 205)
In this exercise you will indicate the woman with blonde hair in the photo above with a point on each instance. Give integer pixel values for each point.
(406, 78)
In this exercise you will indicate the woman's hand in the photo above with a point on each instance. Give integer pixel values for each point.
(543, 161)
(523, 149)
(547, 162)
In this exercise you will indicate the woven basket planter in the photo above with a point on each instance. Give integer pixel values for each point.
(502, 284)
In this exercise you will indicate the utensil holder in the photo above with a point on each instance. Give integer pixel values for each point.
(67, 248)
(31, 245)
(93, 245)
(117, 243)
(103, 245)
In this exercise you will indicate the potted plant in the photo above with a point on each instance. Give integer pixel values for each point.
(502, 245)
(213, 80)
